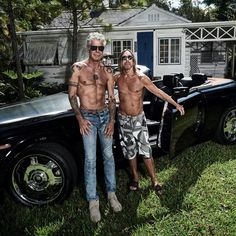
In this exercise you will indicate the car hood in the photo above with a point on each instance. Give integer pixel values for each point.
(43, 106)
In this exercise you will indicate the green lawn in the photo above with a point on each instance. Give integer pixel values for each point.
(199, 199)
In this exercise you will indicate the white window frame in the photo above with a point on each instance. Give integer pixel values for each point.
(169, 51)
(122, 46)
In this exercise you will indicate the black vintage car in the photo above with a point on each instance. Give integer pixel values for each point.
(40, 145)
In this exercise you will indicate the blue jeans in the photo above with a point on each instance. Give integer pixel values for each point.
(99, 121)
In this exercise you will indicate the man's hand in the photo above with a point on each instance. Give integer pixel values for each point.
(180, 109)
(109, 129)
(84, 126)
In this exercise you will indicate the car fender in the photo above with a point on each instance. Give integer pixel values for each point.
(21, 143)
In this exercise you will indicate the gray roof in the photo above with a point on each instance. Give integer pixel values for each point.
(116, 16)
(110, 16)
(64, 20)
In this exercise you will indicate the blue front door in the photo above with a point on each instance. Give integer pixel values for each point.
(145, 49)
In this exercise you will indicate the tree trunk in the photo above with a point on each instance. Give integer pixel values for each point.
(15, 49)
(74, 36)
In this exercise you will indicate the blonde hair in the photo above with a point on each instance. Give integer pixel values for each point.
(96, 35)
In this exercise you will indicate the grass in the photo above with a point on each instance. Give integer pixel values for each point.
(200, 199)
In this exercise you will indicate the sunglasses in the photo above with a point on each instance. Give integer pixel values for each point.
(95, 48)
(124, 58)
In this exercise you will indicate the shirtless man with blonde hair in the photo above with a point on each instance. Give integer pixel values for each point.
(132, 121)
(89, 82)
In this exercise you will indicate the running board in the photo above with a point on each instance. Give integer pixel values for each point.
(153, 140)
(152, 122)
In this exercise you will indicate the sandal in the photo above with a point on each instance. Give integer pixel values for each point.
(134, 186)
(158, 189)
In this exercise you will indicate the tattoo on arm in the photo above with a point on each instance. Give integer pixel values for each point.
(75, 106)
(112, 99)
(112, 108)
(108, 69)
(78, 66)
(73, 84)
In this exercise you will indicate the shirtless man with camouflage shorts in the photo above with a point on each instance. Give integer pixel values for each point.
(133, 130)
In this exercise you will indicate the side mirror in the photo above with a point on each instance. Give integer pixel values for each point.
(179, 92)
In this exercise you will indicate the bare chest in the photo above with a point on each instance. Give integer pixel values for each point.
(90, 77)
(130, 85)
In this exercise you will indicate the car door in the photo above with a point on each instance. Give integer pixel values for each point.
(179, 132)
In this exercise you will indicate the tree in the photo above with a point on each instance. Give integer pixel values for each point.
(192, 11)
(21, 14)
(4, 40)
(222, 9)
(15, 47)
(79, 10)
(164, 4)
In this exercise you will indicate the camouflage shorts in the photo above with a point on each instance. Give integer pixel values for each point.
(134, 137)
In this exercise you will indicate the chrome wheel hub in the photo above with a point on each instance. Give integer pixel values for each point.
(38, 179)
(230, 126)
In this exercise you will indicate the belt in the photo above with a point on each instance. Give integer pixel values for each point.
(93, 111)
(130, 116)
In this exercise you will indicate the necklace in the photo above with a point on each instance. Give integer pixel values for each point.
(96, 73)
(95, 77)
(94, 67)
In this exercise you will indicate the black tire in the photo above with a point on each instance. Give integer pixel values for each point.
(226, 131)
(42, 175)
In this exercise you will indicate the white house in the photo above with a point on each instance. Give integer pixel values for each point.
(161, 40)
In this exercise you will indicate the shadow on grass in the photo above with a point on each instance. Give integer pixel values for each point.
(72, 217)
(124, 222)
(190, 166)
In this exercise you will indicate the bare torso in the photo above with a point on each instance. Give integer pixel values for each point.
(131, 91)
(92, 86)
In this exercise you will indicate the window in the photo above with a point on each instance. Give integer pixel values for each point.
(169, 51)
(213, 52)
(118, 46)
